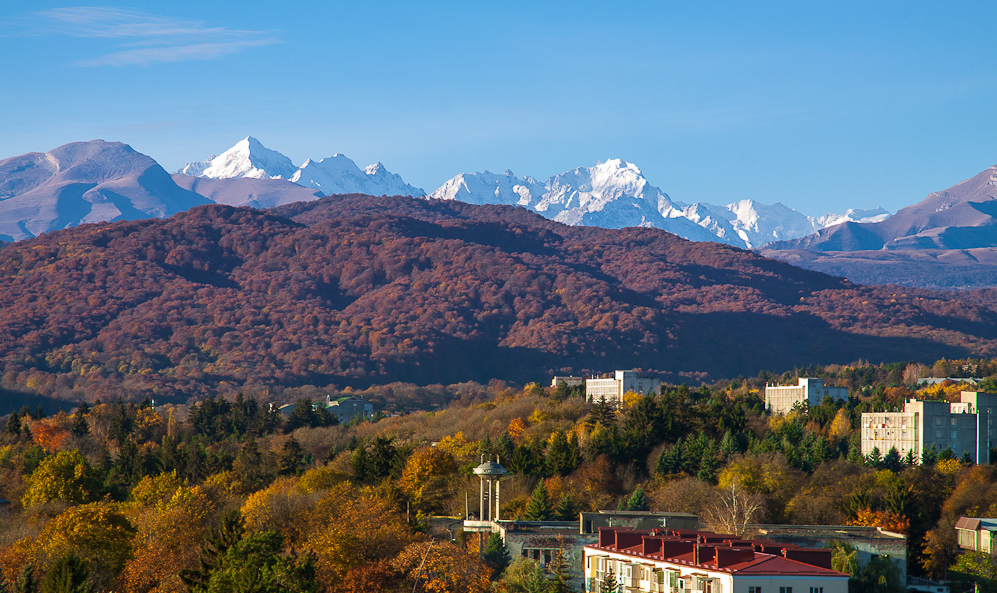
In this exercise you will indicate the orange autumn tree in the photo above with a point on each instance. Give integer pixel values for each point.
(443, 567)
(887, 520)
(351, 528)
(52, 434)
(171, 528)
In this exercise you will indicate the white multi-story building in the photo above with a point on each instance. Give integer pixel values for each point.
(780, 399)
(612, 389)
(703, 562)
(966, 426)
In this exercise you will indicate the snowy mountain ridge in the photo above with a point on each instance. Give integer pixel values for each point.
(615, 194)
(336, 174)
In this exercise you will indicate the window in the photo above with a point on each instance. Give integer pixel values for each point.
(955, 434)
(816, 589)
(785, 590)
(938, 421)
(955, 421)
(754, 590)
(938, 434)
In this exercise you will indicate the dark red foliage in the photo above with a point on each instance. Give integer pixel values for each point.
(360, 290)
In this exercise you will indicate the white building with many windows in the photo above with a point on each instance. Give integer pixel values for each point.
(780, 399)
(966, 426)
(704, 562)
(612, 389)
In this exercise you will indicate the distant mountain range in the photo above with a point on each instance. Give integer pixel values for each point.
(948, 240)
(613, 194)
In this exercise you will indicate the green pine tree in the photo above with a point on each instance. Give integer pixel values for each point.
(537, 581)
(496, 554)
(561, 583)
(539, 507)
(609, 584)
(229, 533)
(638, 501)
(566, 509)
(875, 458)
(291, 458)
(68, 574)
(26, 582)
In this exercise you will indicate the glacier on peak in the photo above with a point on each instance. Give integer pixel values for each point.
(249, 158)
(615, 194)
(336, 174)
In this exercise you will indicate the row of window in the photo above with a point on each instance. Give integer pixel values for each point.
(786, 590)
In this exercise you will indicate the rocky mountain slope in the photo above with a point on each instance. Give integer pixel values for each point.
(947, 240)
(84, 182)
(358, 290)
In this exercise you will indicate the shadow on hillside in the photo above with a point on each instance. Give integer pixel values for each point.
(732, 344)
(11, 401)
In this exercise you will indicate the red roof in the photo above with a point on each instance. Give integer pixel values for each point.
(734, 560)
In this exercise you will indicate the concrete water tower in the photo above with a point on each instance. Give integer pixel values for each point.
(490, 473)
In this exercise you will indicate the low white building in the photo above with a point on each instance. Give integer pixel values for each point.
(568, 380)
(780, 399)
(612, 389)
(704, 562)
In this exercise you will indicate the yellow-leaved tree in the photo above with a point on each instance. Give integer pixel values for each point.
(171, 527)
(353, 528)
(426, 475)
(443, 567)
(65, 476)
(98, 532)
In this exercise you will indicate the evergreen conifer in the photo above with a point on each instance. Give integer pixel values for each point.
(638, 501)
(539, 507)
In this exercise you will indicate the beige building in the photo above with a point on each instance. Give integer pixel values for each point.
(703, 562)
(780, 399)
(977, 534)
(612, 389)
(963, 426)
(568, 380)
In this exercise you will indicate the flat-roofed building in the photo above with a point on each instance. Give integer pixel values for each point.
(681, 561)
(966, 426)
(780, 399)
(612, 389)
(568, 380)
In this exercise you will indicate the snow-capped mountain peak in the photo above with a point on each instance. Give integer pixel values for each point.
(614, 193)
(249, 158)
(336, 174)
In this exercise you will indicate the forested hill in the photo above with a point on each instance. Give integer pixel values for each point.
(360, 290)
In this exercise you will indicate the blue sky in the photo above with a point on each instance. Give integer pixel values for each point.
(820, 105)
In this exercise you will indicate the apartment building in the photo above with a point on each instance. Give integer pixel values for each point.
(680, 561)
(780, 399)
(966, 426)
(613, 388)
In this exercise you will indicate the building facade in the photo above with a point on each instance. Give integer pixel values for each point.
(568, 380)
(966, 426)
(703, 562)
(977, 534)
(612, 389)
(347, 408)
(780, 399)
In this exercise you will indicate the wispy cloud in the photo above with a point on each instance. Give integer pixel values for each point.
(144, 38)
